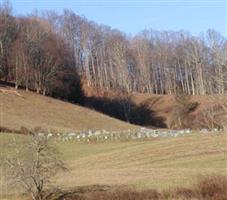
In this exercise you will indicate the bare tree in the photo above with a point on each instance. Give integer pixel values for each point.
(32, 165)
(151, 62)
(183, 107)
(8, 30)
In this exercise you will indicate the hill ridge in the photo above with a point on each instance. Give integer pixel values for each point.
(30, 110)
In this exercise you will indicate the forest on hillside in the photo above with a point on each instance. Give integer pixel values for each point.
(54, 53)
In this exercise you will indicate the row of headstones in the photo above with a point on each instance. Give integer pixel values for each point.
(103, 135)
(212, 130)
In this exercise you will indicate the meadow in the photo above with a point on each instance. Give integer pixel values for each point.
(161, 163)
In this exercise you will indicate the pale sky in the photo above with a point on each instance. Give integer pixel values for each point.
(132, 17)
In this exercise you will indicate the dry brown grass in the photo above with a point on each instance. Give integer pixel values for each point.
(160, 163)
(166, 166)
(213, 187)
(165, 105)
(22, 109)
(122, 194)
(26, 109)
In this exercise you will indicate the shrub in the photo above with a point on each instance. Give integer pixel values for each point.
(213, 187)
(25, 131)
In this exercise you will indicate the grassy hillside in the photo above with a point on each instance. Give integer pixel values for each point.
(160, 164)
(162, 110)
(165, 107)
(27, 109)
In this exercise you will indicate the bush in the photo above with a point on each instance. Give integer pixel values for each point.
(25, 131)
(212, 188)
(183, 107)
(211, 117)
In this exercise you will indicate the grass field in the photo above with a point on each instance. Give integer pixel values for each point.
(160, 164)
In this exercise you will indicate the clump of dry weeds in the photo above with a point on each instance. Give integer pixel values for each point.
(212, 188)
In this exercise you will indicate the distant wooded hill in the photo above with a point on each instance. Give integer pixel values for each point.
(53, 53)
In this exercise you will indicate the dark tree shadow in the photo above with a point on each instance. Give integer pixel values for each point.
(126, 110)
(6, 84)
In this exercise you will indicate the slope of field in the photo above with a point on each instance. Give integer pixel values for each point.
(165, 106)
(163, 110)
(27, 109)
(160, 163)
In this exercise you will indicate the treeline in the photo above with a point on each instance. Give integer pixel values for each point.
(34, 56)
(52, 53)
